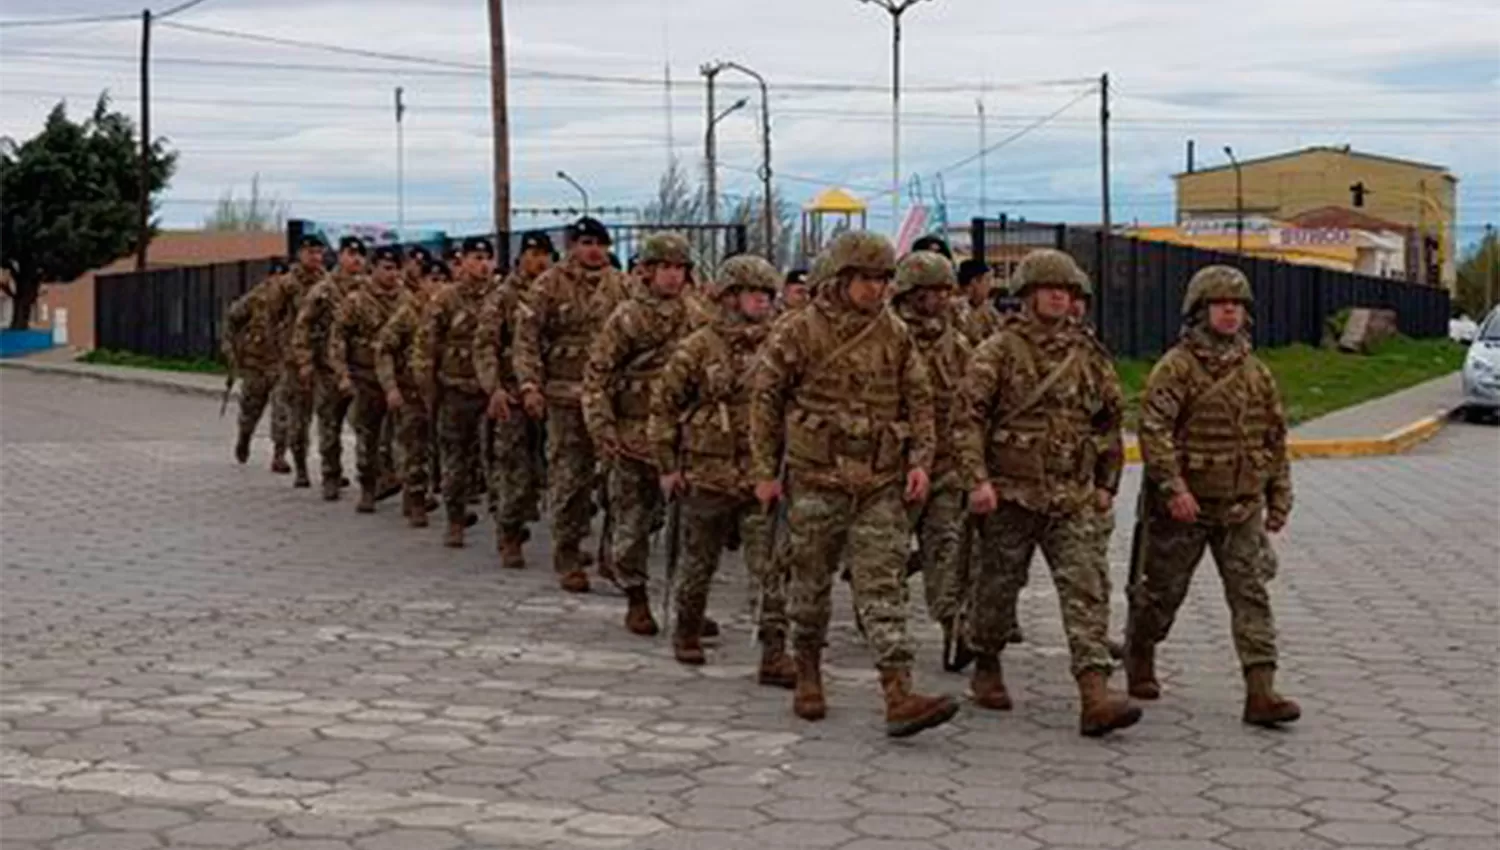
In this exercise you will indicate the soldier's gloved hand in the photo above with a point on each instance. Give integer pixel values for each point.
(1275, 522)
(534, 402)
(671, 484)
(1104, 500)
(394, 401)
(1183, 507)
(346, 386)
(917, 485)
(983, 500)
(767, 493)
(305, 375)
(500, 403)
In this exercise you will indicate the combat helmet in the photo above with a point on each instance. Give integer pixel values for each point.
(746, 271)
(669, 248)
(861, 250)
(923, 270)
(1045, 267)
(1216, 283)
(1085, 283)
(820, 271)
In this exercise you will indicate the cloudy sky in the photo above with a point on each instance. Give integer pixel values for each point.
(1408, 78)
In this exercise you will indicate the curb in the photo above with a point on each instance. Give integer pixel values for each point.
(72, 371)
(1397, 442)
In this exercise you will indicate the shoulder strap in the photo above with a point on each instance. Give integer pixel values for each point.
(849, 344)
(1040, 390)
(1218, 386)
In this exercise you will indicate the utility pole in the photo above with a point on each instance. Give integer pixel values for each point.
(1106, 224)
(400, 170)
(979, 104)
(500, 119)
(711, 179)
(143, 211)
(768, 214)
(1239, 202)
(896, 8)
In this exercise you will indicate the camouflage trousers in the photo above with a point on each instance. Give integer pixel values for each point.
(1102, 527)
(828, 530)
(512, 474)
(333, 409)
(634, 502)
(1009, 537)
(1246, 564)
(296, 401)
(708, 521)
(459, 418)
(571, 476)
(368, 415)
(257, 390)
(939, 526)
(414, 437)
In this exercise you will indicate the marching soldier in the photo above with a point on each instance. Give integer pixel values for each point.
(796, 293)
(842, 389)
(978, 318)
(414, 269)
(623, 363)
(403, 394)
(252, 346)
(443, 365)
(558, 322)
(1213, 436)
(515, 478)
(699, 423)
(352, 354)
(310, 347)
(285, 304)
(923, 299)
(1040, 398)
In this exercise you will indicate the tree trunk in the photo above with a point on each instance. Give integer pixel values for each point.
(27, 290)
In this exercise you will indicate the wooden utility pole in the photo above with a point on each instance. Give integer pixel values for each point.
(500, 118)
(1106, 228)
(143, 211)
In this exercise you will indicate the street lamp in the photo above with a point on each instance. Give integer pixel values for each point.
(1239, 202)
(896, 8)
(710, 149)
(563, 175)
(400, 168)
(768, 214)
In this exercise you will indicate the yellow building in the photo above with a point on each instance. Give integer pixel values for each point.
(1281, 187)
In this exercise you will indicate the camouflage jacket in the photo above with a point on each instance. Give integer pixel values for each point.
(359, 320)
(977, 324)
(443, 351)
(393, 348)
(557, 323)
(284, 303)
(846, 395)
(315, 320)
(700, 407)
(494, 345)
(1212, 424)
(946, 353)
(252, 331)
(1037, 440)
(623, 364)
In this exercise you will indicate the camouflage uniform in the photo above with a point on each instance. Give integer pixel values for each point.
(848, 396)
(285, 305)
(977, 324)
(700, 412)
(557, 323)
(310, 348)
(413, 431)
(1212, 425)
(352, 354)
(253, 347)
(443, 364)
(514, 476)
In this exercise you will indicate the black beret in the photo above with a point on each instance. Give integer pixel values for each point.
(931, 242)
(352, 243)
(388, 252)
(433, 267)
(970, 270)
(537, 239)
(312, 240)
(419, 253)
(796, 277)
(589, 226)
(478, 244)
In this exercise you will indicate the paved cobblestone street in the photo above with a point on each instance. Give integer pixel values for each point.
(195, 655)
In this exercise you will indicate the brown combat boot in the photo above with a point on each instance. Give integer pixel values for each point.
(776, 667)
(454, 539)
(416, 509)
(710, 628)
(687, 645)
(988, 684)
(570, 576)
(279, 466)
(807, 699)
(331, 490)
(638, 617)
(1263, 706)
(907, 713)
(1140, 670)
(511, 556)
(366, 504)
(1103, 710)
(242, 448)
(302, 479)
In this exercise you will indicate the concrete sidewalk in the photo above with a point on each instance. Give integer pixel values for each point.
(62, 362)
(1388, 414)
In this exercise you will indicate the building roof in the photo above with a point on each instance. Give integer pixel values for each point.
(835, 200)
(1343, 217)
(1339, 149)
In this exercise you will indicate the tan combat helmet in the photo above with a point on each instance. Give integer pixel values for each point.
(819, 272)
(860, 250)
(1085, 284)
(669, 247)
(1046, 267)
(923, 270)
(1216, 283)
(747, 271)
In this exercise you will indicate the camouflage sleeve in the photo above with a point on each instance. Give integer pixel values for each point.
(302, 330)
(779, 367)
(235, 320)
(916, 390)
(487, 342)
(976, 402)
(339, 331)
(606, 354)
(1279, 487)
(1108, 422)
(388, 342)
(531, 321)
(1161, 404)
(424, 345)
(670, 397)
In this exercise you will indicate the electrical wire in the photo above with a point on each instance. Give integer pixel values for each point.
(63, 22)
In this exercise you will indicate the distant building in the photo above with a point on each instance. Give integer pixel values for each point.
(1332, 237)
(1417, 201)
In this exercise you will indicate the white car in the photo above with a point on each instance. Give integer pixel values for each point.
(1482, 370)
(1462, 329)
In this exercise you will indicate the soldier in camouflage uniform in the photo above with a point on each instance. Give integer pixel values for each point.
(795, 293)
(558, 322)
(284, 304)
(352, 355)
(443, 364)
(699, 428)
(977, 317)
(414, 269)
(310, 347)
(515, 478)
(623, 363)
(922, 298)
(1040, 398)
(403, 395)
(1213, 436)
(252, 348)
(843, 390)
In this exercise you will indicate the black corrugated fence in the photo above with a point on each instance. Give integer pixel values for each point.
(171, 312)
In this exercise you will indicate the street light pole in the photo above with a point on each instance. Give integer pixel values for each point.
(400, 169)
(979, 104)
(563, 175)
(711, 155)
(896, 8)
(1239, 202)
(768, 214)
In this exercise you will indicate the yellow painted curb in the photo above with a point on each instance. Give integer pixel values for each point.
(1396, 442)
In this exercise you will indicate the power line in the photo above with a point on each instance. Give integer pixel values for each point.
(178, 9)
(1019, 133)
(62, 22)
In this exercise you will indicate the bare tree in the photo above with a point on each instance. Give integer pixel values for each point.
(255, 214)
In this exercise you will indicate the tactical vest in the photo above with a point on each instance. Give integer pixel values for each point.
(845, 415)
(375, 311)
(456, 353)
(945, 366)
(1222, 435)
(1047, 444)
(718, 424)
(579, 316)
